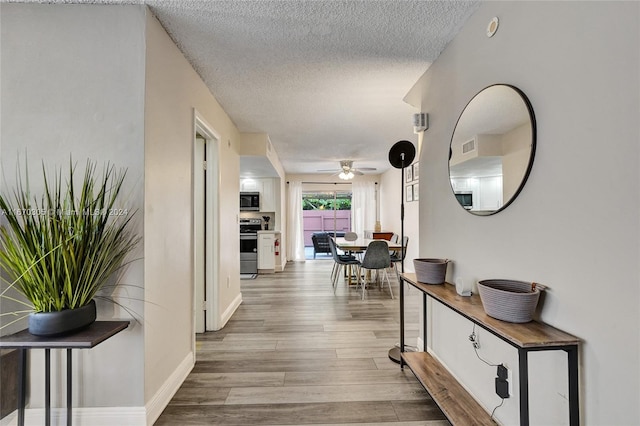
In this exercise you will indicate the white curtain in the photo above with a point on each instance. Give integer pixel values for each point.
(295, 246)
(363, 207)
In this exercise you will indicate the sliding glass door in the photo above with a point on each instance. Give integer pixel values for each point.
(326, 211)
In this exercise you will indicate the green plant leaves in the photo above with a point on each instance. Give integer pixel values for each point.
(59, 251)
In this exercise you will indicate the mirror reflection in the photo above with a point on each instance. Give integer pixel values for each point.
(492, 149)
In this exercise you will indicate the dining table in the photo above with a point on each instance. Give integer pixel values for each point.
(360, 245)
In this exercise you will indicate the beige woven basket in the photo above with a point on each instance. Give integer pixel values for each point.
(431, 271)
(508, 300)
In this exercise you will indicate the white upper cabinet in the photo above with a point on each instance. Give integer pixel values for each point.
(252, 185)
(268, 196)
(268, 190)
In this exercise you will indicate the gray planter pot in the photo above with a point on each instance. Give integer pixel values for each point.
(62, 322)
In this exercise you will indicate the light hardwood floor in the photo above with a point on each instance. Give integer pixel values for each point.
(294, 354)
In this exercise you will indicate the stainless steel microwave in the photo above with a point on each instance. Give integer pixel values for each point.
(465, 198)
(250, 201)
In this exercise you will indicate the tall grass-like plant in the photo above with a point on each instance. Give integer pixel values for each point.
(61, 248)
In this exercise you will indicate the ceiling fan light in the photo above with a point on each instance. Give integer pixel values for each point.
(346, 175)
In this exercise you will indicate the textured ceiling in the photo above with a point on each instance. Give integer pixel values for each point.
(325, 79)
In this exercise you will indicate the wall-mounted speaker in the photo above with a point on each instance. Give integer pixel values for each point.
(420, 122)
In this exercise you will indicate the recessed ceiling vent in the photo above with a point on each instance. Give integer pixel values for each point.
(469, 146)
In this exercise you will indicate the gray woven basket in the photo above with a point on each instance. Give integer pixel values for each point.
(508, 300)
(430, 271)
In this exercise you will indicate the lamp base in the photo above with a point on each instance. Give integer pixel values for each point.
(394, 354)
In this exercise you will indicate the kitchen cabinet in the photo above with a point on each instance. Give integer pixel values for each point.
(250, 185)
(268, 192)
(266, 252)
(268, 196)
(490, 194)
(487, 191)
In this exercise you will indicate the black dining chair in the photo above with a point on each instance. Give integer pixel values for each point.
(341, 260)
(398, 256)
(376, 258)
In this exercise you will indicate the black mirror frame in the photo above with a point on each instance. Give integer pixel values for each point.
(534, 138)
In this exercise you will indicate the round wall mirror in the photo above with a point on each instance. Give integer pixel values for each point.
(492, 149)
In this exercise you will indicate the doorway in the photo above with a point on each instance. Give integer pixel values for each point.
(324, 211)
(205, 227)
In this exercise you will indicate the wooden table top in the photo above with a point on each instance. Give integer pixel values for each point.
(86, 338)
(362, 244)
(533, 334)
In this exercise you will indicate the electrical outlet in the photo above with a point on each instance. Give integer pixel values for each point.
(228, 282)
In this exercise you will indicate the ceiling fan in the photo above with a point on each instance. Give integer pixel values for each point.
(347, 171)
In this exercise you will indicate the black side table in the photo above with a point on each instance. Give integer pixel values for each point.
(87, 338)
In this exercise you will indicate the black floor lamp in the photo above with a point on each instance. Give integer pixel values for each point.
(401, 155)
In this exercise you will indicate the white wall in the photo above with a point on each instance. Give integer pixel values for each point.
(173, 90)
(73, 84)
(106, 82)
(575, 225)
(390, 199)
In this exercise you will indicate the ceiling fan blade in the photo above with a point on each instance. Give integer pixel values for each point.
(347, 165)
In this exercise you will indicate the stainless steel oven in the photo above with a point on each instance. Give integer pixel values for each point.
(249, 245)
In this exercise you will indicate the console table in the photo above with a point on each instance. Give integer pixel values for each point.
(527, 337)
(86, 338)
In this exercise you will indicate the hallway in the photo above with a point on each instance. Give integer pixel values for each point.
(294, 353)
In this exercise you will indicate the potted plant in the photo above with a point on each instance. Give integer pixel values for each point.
(60, 248)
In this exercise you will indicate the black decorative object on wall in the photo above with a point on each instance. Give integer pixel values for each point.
(498, 115)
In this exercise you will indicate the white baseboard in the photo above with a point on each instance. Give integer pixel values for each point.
(84, 416)
(280, 267)
(121, 416)
(226, 315)
(161, 399)
(110, 416)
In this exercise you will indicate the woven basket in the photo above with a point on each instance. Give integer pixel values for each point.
(508, 300)
(430, 271)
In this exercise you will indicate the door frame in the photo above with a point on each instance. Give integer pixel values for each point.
(199, 238)
(212, 208)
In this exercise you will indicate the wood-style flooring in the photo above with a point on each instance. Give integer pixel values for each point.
(296, 354)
